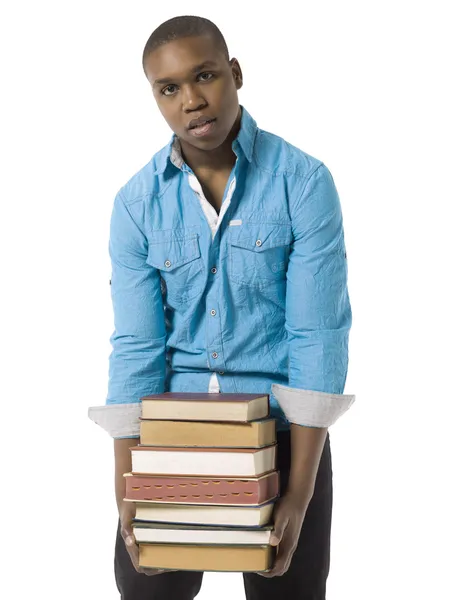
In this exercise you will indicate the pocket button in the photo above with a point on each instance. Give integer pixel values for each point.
(258, 242)
(167, 263)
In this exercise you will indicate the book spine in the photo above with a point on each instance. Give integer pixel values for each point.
(201, 491)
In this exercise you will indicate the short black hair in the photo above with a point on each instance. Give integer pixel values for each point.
(182, 27)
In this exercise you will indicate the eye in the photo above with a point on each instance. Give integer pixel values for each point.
(205, 76)
(169, 90)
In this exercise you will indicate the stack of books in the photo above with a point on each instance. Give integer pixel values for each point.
(204, 481)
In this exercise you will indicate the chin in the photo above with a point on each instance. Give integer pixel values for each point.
(204, 144)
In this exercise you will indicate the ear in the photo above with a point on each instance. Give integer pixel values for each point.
(236, 72)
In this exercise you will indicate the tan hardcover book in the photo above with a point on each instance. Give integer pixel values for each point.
(187, 406)
(200, 433)
(200, 514)
(207, 557)
(195, 490)
(225, 462)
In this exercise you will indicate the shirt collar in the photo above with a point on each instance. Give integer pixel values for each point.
(247, 135)
(245, 141)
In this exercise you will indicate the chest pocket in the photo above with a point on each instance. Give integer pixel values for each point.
(258, 253)
(177, 256)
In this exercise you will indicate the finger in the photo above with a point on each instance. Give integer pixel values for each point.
(151, 572)
(293, 546)
(131, 547)
(278, 558)
(283, 558)
(128, 534)
(133, 552)
(280, 524)
(281, 567)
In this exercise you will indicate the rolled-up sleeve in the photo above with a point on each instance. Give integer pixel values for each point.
(318, 310)
(137, 363)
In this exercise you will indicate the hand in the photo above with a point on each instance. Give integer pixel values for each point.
(289, 513)
(127, 512)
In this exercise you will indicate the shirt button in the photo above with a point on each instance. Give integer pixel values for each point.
(213, 270)
(213, 312)
(221, 372)
(258, 242)
(214, 355)
(167, 263)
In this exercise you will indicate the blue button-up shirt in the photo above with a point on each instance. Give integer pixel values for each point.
(261, 299)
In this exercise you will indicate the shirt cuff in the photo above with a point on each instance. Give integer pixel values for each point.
(119, 420)
(311, 408)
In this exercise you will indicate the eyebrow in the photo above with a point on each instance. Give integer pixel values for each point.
(197, 69)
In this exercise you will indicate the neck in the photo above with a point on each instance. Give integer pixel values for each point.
(220, 158)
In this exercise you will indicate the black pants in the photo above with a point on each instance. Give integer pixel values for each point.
(309, 568)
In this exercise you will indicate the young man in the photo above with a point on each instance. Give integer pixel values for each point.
(229, 274)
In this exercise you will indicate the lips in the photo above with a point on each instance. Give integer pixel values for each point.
(200, 121)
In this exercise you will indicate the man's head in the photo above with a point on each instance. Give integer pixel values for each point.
(186, 61)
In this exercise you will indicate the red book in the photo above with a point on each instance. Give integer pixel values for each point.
(194, 490)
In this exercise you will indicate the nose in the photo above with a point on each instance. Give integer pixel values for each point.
(192, 100)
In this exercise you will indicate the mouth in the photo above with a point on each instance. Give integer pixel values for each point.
(201, 126)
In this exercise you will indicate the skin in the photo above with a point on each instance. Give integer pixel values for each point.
(307, 445)
(199, 80)
(127, 510)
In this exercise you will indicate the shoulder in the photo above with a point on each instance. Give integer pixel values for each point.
(281, 158)
(150, 181)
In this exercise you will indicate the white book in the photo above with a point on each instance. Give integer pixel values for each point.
(171, 534)
(226, 516)
(235, 462)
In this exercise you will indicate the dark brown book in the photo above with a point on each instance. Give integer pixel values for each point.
(224, 462)
(208, 434)
(194, 490)
(187, 406)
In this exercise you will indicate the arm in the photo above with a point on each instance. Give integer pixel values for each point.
(318, 312)
(127, 510)
(137, 362)
(318, 320)
(122, 457)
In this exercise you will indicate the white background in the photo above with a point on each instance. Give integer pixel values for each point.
(359, 85)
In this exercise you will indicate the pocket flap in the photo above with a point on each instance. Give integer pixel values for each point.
(168, 254)
(260, 236)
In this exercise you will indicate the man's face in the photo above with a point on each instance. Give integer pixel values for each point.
(197, 83)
